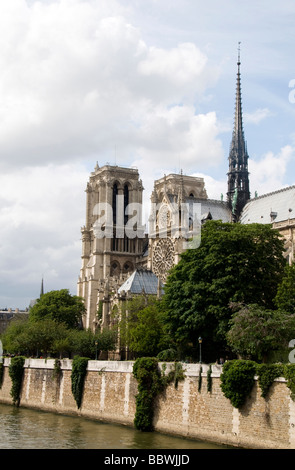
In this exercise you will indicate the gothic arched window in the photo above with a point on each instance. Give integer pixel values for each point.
(115, 193)
(126, 202)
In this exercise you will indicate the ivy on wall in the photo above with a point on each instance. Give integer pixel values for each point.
(209, 379)
(237, 380)
(1, 374)
(151, 382)
(79, 370)
(289, 374)
(16, 372)
(267, 373)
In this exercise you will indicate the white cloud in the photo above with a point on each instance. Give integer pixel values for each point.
(257, 116)
(41, 212)
(106, 80)
(77, 78)
(268, 173)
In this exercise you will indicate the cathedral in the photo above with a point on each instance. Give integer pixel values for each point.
(119, 259)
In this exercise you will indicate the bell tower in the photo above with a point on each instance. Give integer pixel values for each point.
(112, 238)
(238, 176)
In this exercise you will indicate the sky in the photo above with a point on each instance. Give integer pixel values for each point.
(148, 84)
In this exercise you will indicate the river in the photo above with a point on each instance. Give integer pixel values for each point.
(23, 428)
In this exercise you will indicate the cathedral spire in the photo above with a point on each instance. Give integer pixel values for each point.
(238, 176)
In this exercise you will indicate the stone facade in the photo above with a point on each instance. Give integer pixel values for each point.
(110, 390)
(110, 254)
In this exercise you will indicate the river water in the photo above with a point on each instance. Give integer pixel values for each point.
(23, 428)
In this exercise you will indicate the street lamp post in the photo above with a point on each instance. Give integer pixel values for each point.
(200, 347)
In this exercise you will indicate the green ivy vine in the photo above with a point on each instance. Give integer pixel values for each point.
(200, 379)
(79, 370)
(1, 374)
(209, 379)
(151, 382)
(57, 369)
(237, 380)
(16, 372)
(267, 373)
(289, 374)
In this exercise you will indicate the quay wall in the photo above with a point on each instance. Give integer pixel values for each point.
(110, 390)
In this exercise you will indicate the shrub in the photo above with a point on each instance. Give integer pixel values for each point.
(1, 373)
(237, 380)
(289, 373)
(150, 383)
(16, 372)
(266, 375)
(168, 355)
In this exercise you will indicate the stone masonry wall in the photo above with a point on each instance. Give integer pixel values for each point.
(110, 390)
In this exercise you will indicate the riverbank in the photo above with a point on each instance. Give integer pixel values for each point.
(188, 410)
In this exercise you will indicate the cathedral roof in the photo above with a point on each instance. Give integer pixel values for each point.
(141, 281)
(272, 207)
(218, 210)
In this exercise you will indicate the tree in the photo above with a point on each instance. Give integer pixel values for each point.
(285, 298)
(88, 343)
(34, 338)
(147, 335)
(234, 263)
(257, 332)
(141, 328)
(60, 306)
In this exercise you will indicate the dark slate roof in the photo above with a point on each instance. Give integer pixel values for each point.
(272, 207)
(140, 281)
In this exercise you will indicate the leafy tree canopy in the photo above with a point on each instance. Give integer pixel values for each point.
(61, 306)
(285, 298)
(147, 335)
(258, 332)
(234, 263)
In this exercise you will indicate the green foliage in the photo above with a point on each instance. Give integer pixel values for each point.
(237, 380)
(209, 379)
(200, 379)
(48, 337)
(267, 373)
(60, 306)
(289, 374)
(16, 371)
(1, 374)
(57, 368)
(79, 370)
(256, 331)
(168, 355)
(14, 337)
(285, 297)
(141, 326)
(175, 375)
(82, 342)
(234, 263)
(150, 384)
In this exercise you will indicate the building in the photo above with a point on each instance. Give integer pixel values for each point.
(116, 251)
(278, 209)
(7, 315)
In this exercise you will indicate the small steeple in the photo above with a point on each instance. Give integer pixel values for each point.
(42, 288)
(238, 177)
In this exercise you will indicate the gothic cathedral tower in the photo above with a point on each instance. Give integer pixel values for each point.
(238, 177)
(109, 252)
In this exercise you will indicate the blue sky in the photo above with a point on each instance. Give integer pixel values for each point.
(145, 83)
